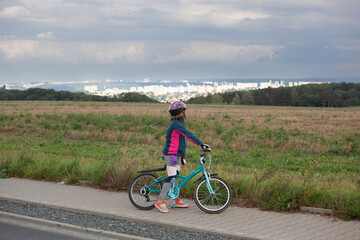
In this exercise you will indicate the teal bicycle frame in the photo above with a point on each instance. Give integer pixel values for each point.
(187, 178)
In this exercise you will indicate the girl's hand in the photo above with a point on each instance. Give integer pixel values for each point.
(204, 146)
(183, 162)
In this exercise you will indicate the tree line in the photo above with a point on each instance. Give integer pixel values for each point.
(40, 94)
(311, 95)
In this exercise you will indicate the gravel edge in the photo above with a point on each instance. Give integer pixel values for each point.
(105, 223)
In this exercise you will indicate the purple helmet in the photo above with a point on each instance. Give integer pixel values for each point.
(176, 108)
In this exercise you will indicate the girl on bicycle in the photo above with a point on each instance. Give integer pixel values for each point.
(174, 152)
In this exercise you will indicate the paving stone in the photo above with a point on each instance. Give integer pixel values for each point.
(240, 222)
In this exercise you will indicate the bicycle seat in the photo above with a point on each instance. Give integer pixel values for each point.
(153, 170)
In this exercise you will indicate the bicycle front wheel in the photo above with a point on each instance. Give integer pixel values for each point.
(143, 193)
(213, 203)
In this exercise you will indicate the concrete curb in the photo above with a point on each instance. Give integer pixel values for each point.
(244, 202)
(317, 210)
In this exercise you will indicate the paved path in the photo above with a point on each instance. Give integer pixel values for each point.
(245, 223)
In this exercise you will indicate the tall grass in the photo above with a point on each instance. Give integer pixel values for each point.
(276, 158)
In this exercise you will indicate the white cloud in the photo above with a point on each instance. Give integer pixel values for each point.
(121, 23)
(215, 14)
(132, 52)
(73, 52)
(135, 52)
(19, 49)
(47, 35)
(223, 53)
(52, 12)
(45, 4)
(7, 37)
(15, 12)
(354, 47)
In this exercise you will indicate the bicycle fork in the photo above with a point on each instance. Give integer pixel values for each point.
(211, 191)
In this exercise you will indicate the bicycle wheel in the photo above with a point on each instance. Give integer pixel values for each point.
(142, 196)
(213, 203)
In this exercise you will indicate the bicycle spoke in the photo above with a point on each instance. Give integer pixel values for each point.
(142, 196)
(215, 202)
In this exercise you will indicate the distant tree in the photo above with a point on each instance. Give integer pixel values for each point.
(134, 97)
(3, 93)
(309, 100)
(355, 101)
(52, 95)
(294, 97)
(236, 100)
(229, 96)
(247, 98)
(216, 98)
(261, 97)
(198, 100)
(281, 97)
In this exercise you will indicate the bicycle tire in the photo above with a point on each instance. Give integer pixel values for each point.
(213, 204)
(141, 198)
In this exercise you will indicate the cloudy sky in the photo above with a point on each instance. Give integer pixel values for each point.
(68, 40)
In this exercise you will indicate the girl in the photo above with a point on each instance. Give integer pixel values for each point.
(174, 152)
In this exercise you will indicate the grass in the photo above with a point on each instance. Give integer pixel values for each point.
(278, 158)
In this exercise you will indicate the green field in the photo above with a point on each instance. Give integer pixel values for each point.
(277, 158)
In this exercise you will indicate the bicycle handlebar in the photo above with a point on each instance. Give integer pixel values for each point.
(205, 147)
(203, 156)
(204, 151)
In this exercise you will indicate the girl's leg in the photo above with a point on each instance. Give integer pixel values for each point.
(178, 203)
(177, 182)
(172, 171)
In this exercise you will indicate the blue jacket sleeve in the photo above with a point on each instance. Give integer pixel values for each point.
(189, 135)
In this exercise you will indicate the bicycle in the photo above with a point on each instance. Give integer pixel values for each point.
(211, 193)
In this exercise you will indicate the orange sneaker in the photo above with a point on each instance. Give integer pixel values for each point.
(179, 204)
(161, 206)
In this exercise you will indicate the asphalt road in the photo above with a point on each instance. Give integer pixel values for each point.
(17, 227)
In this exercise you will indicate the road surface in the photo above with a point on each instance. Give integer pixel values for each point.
(16, 227)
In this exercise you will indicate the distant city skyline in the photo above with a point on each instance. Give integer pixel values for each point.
(91, 40)
(173, 93)
(168, 90)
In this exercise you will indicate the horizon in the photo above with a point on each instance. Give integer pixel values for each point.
(184, 80)
(190, 80)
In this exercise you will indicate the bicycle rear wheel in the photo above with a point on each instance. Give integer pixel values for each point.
(213, 203)
(142, 196)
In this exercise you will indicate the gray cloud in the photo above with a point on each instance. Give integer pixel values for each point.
(179, 38)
